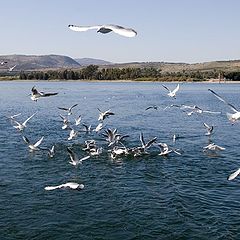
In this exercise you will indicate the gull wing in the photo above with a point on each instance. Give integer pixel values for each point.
(26, 140)
(49, 188)
(73, 155)
(84, 158)
(234, 175)
(49, 94)
(126, 32)
(83, 28)
(149, 143)
(206, 126)
(38, 142)
(221, 99)
(34, 90)
(24, 123)
(73, 106)
(142, 139)
(166, 88)
(176, 89)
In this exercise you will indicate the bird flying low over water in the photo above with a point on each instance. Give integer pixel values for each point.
(234, 175)
(35, 95)
(173, 92)
(22, 126)
(231, 116)
(68, 110)
(71, 185)
(33, 147)
(126, 32)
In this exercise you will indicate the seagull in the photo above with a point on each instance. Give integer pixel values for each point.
(33, 147)
(74, 158)
(65, 122)
(172, 93)
(213, 147)
(209, 129)
(21, 126)
(98, 128)
(35, 95)
(3, 62)
(87, 128)
(11, 68)
(103, 115)
(126, 32)
(78, 120)
(72, 134)
(234, 175)
(51, 152)
(68, 110)
(71, 185)
(233, 117)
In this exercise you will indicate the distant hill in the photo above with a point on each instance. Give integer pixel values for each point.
(91, 61)
(231, 65)
(34, 62)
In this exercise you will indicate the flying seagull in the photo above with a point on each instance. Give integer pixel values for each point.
(32, 147)
(173, 92)
(21, 126)
(126, 32)
(74, 158)
(35, 95)
(68, 110)
(71, 185)
(231, 116)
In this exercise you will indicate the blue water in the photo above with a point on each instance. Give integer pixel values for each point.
(183, 196)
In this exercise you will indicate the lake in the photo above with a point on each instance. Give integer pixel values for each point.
(183, 196)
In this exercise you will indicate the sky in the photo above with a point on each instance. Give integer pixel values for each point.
(190, 31)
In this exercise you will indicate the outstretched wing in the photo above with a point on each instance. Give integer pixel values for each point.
(126, 32)
(82, 28)
(234, 175)
(166, 88)
(38, 142)
(176, 89)
(221, 99)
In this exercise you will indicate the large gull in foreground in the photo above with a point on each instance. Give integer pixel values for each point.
(71, 185)
(126, 32)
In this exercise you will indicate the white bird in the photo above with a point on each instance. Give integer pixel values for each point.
(233, 117)
(33, 147)
(74, 158)
(65, 122)
(11, 68)
(51, 152)
(234, 175)
(209, 129)
(172, 93)
(21, 126)
(71, 185)
(103, 115)
(3, 62)
(98, 127)
(35, 95)
(78, 120)
(68, 110)
(126, 32)
(213, 147)
(72, 134)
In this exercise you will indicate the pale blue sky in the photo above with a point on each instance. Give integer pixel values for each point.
(168, 30)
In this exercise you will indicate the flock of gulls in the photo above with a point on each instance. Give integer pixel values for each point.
(115, 143)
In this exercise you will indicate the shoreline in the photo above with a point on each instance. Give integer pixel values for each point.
(119, 81)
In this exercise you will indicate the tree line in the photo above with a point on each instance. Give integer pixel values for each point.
(93, 72)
